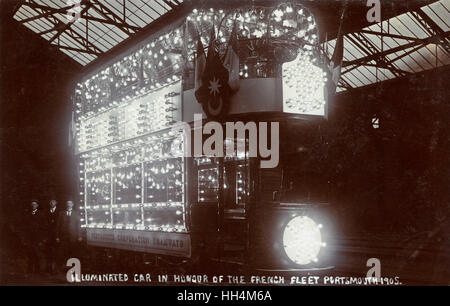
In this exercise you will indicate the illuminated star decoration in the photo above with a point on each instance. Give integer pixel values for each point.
(214, 86)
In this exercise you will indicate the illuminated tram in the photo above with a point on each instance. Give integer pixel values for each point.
(143, 184)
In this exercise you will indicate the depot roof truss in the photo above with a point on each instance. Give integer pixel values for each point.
(86, 29)
(409, 43)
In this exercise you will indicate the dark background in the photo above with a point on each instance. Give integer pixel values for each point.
(394, 179)
(35, 116)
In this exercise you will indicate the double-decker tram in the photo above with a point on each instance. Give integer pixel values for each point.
(198, 142)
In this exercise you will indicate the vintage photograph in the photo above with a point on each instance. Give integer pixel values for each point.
(211, 143)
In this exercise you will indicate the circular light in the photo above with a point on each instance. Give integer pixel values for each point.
(302, 240)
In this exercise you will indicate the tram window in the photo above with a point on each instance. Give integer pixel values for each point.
(240, 184)
(235, 184)
(293, 182)
(302, 181)
(236, 173)
(208, 185)
(303, 187)
(235, 177)
(125, 181)
(98, 187)
(163, 181)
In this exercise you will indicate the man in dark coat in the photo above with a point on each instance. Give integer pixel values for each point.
(67, 232)
(34, 237)
(51, 246)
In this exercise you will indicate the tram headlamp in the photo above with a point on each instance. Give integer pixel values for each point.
(302, 240)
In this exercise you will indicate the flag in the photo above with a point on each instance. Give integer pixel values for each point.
(335, 64)
(214, 91)
(231, 60)
(212, 47)
(200, 63)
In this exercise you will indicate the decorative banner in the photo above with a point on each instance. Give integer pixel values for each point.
(150, 112)
(303, 86)
(175, 244)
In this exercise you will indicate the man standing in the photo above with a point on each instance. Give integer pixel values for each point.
(67, 232)
(34, 236)
(52, 219)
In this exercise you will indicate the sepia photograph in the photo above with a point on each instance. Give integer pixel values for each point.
(197, 145)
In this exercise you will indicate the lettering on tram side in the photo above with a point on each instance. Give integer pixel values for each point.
(177, 244)
(168, 242)
(213, 146)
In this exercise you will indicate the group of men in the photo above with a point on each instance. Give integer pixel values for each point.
(51, 233)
